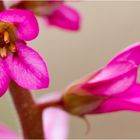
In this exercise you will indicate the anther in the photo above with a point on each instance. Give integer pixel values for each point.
(3, 52)
(12, 47)
(6, 37)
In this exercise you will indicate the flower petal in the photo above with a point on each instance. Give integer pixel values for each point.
(4, 80)
(132, 53)
(112, 79)
(129, 101)
(24, 21)
(7, 133)
(27, 68)
(54, 128)
(65, 17)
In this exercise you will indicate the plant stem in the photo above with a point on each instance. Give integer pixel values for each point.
(57, 103)
(1, 5)
(29, 114)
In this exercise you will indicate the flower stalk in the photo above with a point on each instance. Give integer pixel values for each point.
(1, 5)
(56, 103)
(29, 114)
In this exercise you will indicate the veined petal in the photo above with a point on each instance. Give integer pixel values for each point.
(131, 53)
(27, 68)
(54, 128)
(65, 17)
(24, 21)
(128, 101)
(4, 80)
(7, 133)
(112, 79)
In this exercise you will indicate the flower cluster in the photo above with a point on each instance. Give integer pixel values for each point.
(114, 87)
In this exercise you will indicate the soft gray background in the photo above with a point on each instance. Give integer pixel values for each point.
(107, 28)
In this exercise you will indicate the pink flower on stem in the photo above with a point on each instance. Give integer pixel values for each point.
(18, 61)
(112, 88)
(53, 128)
(55, 13)
(64, 17)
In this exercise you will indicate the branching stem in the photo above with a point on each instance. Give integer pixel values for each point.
(30, 115)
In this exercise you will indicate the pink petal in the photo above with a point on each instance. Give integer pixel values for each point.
(112, 79)
(55, 121)
(65, 17)
(27, 68)
(132, 53)
(129, 101)
(25, 22)
(7, 133)
(4, 80)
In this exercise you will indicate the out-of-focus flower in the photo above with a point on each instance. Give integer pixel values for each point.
(7, 133)
(112, 88)
(53, 128)
(18, 61)
(55, 13)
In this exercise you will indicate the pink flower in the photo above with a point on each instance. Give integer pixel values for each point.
(53, 128)
(64, 17)
(55, 13)
(112, 88)
(18, 61)
(7, 133)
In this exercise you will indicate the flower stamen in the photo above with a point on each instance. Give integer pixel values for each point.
(3, 52)
(12, 47)
(6, 37)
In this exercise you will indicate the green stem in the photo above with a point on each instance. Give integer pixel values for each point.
(29, 113)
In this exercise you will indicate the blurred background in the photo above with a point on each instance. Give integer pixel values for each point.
(106, 29)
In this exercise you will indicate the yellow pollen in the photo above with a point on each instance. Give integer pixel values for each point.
(6, 37)
(3, 52)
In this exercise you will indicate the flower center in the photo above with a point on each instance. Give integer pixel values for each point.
(7, 39)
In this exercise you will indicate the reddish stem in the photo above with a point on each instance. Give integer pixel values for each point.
(1, 5)
(57, 103)
(30, 115)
